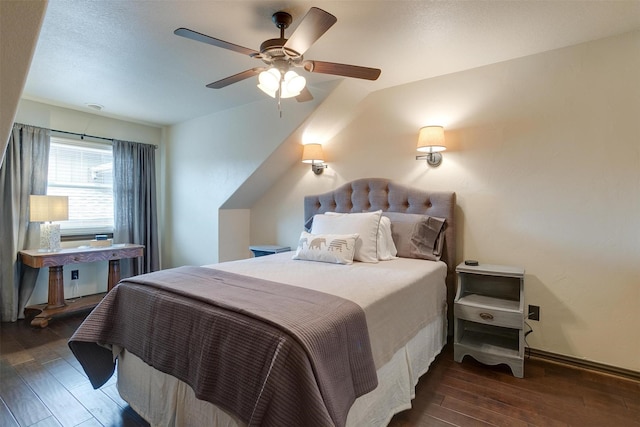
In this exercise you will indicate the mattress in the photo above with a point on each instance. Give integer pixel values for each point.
(404, 301)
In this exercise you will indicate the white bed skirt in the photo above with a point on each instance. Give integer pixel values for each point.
(165, 401)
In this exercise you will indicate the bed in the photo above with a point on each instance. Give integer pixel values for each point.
(403, 303)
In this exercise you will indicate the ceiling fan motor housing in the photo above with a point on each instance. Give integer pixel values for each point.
(273, 50)
(282, 19)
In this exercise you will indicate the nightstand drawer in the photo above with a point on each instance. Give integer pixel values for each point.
(489, 316)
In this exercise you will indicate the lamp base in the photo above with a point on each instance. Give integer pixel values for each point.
(318, 168)
(49, 237)
(433, 159)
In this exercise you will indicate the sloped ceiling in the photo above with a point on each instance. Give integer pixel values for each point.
(19, 26)
(124, 55)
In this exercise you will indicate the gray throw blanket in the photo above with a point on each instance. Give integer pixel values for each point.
(271, 354)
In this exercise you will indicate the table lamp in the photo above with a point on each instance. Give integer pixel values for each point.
(49, 208)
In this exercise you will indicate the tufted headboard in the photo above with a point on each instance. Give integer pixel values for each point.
(372, 194)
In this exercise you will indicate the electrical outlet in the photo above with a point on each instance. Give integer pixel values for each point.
(534, 312)
(74, 274)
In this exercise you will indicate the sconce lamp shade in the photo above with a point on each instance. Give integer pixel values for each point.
(431, 139)
(312, 153)
(48, 208)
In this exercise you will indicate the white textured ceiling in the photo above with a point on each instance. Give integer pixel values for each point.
(124, 55)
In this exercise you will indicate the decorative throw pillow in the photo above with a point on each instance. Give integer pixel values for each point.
(417, 236)
(384, 241)
(333, 248)
(364, 224)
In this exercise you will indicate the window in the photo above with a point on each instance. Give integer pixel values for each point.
(83, 171)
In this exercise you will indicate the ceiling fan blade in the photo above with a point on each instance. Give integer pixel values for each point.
(314, 24)
(305, 95)
(342, 70)
(194, 35)
(235, 78)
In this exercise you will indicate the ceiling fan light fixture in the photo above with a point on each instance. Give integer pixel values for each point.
(271, 93)
(294, 83)
(270, 79)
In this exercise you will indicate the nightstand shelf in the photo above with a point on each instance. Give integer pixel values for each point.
(489, 315)
(490, 339)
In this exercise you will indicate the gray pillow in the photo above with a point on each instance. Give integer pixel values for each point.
(417, 236)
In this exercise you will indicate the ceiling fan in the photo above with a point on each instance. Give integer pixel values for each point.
(281, 55)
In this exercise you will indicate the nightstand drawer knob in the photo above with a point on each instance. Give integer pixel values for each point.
(486, 316)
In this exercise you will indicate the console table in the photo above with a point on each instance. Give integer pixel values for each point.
(56, 304)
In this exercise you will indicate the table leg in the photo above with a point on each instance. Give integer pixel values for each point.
(56, 287)
(114, 273)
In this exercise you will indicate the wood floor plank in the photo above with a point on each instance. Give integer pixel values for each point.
(6, 417)
(453, 417)
(43, 353)
(66, 374)
(480, 413)
(91, 423)
(544, 395)
(105, 410)
(429, 421)
(67, 410)
(18, 357)
(633, 404)
(61, 348)
(480, 399)
(23, 403)
(47, 422)
(9, 346)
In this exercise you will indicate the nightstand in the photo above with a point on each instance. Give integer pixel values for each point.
(263, 250)
(489, 315)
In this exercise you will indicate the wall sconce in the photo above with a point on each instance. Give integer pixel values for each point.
(312, 153)
(49, 208)
(431, 141)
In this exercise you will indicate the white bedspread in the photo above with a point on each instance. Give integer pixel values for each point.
(399, 297)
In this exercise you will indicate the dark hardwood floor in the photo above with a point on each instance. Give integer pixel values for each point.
(41, 384)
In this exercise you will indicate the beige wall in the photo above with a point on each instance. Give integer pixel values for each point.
(207, 160)
(544, 155)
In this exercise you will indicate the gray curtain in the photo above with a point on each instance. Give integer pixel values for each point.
(134, 199)
(23, 172)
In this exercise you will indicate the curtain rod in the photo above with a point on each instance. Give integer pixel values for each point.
(83, 135)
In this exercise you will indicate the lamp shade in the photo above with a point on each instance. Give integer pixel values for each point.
(312, 153)
(293, 83)
(48, 208)
(431, 139)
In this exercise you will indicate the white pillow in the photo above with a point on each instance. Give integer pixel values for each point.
(333, 248)
(364, 224)
(385, 246)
